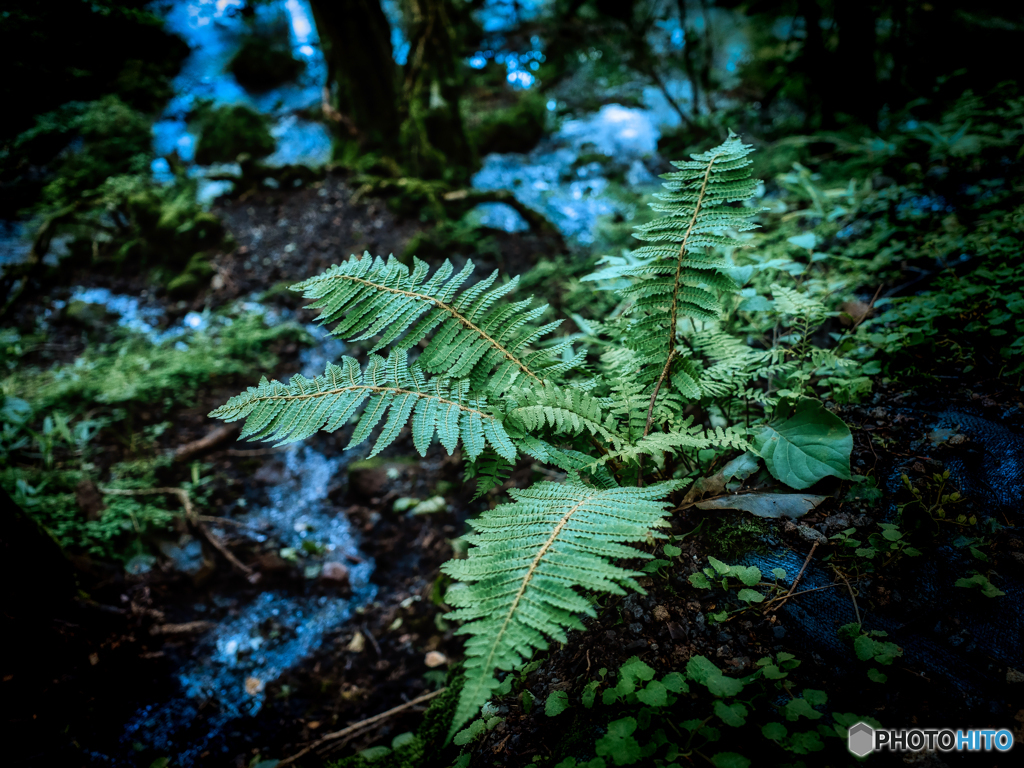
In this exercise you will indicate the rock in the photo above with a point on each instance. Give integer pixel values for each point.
(435, 659)
(370, 477)
(335, 572)
(89, 315)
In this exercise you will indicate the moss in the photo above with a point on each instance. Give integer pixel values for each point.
(226, 132)
(195, 276)
(263, 63)
(515, 128)
(115, 139)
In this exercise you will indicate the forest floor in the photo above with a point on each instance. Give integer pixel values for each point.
(73, 680)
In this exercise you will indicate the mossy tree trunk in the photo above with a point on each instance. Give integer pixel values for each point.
(362, 77)
(409, 114)
(433, 137)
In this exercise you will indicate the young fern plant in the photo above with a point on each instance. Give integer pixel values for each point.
(477, 369)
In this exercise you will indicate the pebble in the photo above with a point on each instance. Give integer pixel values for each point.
(435, 659)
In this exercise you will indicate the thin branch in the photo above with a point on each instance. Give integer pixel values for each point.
(799, 575)
(362, 724)
(193, 518)
(856, 610)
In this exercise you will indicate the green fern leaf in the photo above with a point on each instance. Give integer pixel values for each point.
(475, 335)
(678, 275)
(563, 410)
(518, 585)
(684, 437)
(294, 411)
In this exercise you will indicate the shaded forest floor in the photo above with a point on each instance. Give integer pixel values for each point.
(74, 678)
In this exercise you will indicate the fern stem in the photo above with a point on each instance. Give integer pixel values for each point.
(385, 390)
(679, 262)
(451, 311)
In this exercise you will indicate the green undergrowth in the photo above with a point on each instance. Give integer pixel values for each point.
(102, 199)
(227, 131)
(426, 746)
(634, 716)
(61, 425)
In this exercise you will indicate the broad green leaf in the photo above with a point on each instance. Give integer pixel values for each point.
(803, 743)
(675, 682)
(618, 743)
(699, 580)
(731, 714)
(724, 686)
(774, 731)
(805, 443)
(864, 647)
(654, 694)
(796, 708)
(730, 760)
(556, 704)
(877, 676)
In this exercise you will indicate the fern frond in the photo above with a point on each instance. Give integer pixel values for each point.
(564, 410)
(475, 335)
(293, 411)
(678, 274)
(518, 585)
(685, 437)
(490, 470)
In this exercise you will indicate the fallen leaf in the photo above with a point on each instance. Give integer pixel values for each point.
(774, 505)
(357, 643)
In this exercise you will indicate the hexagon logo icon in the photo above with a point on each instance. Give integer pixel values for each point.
(861, 739)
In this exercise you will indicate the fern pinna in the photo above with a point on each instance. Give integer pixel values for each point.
(471, 366)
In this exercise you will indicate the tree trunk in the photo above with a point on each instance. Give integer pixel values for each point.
(362, 77)
(410, 116)
(855, 60)
(434, 143)
(814, 63)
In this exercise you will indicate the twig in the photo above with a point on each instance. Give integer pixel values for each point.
(360, 725)
(369, 634)
(254, 452)
(799, 575)
(193, 518)
(219, 545)
(856, 610)
(182, 629)
(797, 594)
(207, 442)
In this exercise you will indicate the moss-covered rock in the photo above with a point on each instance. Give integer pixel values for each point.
(264, 62)
(514, 128)
(227, 132)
